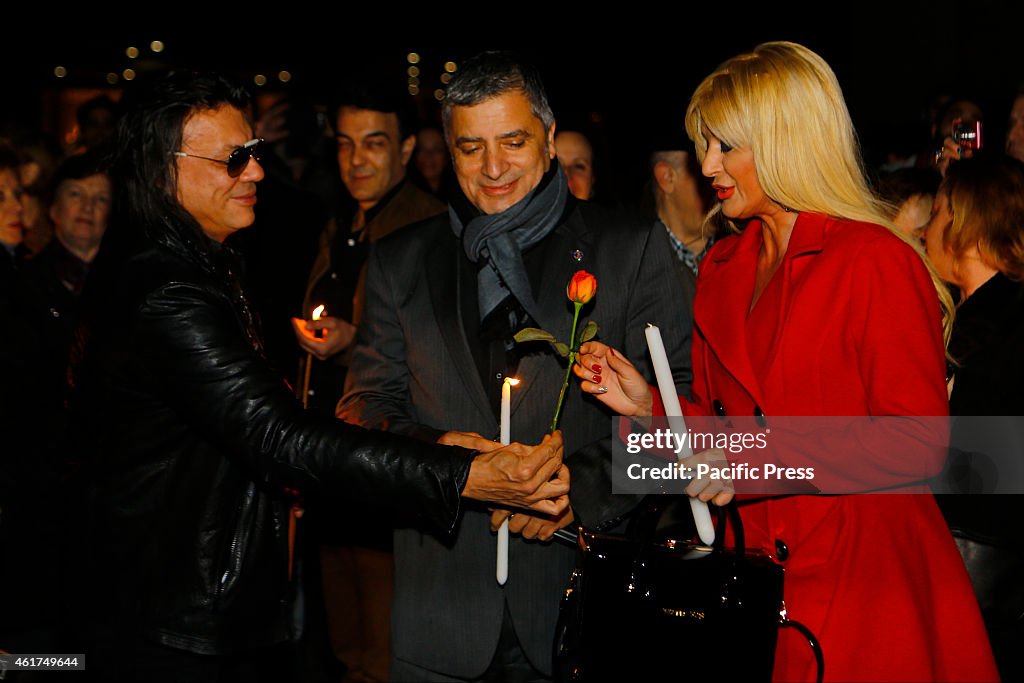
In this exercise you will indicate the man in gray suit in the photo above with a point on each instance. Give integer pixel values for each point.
(442, 303)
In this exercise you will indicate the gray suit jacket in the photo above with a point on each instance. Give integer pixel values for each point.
(413, 372)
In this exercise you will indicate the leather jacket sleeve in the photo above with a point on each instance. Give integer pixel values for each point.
(193, 340)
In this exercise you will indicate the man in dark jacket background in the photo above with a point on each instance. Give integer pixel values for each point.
(374, 129)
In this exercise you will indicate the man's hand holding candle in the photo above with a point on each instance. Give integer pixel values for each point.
(518, 475)
(325, 337)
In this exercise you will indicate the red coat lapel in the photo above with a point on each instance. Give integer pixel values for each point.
(725, 290)
(807, 239)
(729, 279)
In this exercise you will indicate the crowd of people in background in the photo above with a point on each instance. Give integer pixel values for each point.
(345, 173)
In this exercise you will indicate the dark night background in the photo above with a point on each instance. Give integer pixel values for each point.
(625, 81)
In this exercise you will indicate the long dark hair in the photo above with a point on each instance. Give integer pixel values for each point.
(146, 209)
(149, 132)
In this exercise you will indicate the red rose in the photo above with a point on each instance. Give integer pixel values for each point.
(582, 287)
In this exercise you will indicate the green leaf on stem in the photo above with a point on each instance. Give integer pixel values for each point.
(589, 332)
(561, 349)
(533, 334)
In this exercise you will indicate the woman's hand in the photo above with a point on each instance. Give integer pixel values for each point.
(609, 376)
(715, 487)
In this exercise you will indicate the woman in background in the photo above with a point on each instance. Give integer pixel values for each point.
(12, 226)
(975, 239)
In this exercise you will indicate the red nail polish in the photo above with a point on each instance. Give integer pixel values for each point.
(596, 368)
(597, 379)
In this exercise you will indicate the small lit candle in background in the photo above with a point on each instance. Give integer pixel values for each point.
(317, 312)
(676, 422)
(501, 571)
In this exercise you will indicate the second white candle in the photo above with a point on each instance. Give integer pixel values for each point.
(501, 567)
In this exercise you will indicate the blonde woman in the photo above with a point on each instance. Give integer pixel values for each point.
(818, 307)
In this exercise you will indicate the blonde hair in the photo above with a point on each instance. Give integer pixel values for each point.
(783, 102)
(986, 198)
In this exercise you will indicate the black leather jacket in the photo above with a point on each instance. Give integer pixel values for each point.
(192, 439)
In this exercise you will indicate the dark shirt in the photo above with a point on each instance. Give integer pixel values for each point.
(496, 354)
(48, 292)
(690, 259)
(34, 501)
(988, 344)
(336, 290)
(11, 259)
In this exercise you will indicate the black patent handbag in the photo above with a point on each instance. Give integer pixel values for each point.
(654, 605)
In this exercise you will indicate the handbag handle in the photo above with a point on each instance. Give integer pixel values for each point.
(819, 654)
(644, 523)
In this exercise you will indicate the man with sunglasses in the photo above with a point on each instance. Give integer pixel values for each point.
(194, 450)
(374, 131)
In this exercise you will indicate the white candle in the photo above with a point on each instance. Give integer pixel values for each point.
(501, 568)
(676, 422)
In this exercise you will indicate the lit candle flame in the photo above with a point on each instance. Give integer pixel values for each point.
(512, 381)
(318, 311)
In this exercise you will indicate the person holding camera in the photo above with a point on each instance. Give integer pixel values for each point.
(960, 129)
(772, 338)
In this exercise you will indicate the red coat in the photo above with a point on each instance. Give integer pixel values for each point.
(854, 330)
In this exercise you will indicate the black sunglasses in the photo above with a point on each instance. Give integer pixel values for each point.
(238, 159)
